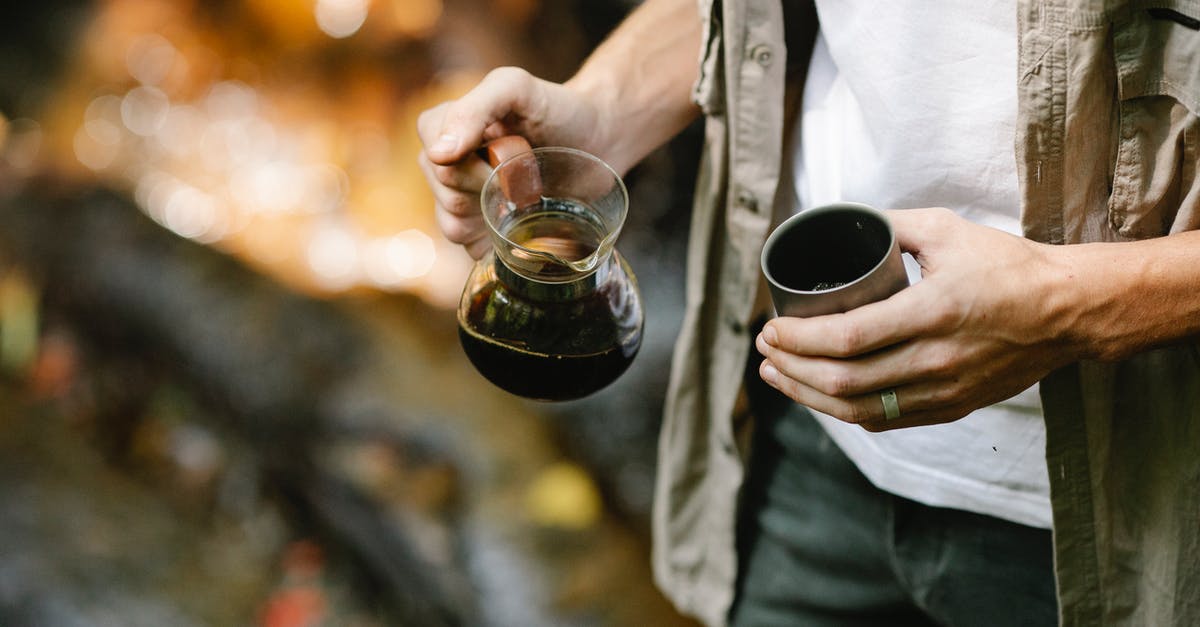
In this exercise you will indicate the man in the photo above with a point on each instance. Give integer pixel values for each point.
(1099, 304)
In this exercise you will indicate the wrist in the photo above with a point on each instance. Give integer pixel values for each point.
(1113, 301)
(640, 81)
(1068, 299)
(599, 92)
(632, 116)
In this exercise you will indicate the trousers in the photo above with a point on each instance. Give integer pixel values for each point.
(818, 544)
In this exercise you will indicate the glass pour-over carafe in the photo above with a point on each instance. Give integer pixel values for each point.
(552, 312)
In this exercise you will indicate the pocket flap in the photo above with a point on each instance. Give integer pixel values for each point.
(1158, 54)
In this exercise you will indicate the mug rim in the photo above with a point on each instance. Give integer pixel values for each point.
(775, 234)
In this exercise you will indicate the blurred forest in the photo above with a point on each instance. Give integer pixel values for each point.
(231, 386)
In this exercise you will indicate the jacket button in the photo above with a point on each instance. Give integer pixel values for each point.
(746, 200)
(762, 55)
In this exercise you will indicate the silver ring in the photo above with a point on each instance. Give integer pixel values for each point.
(891, 406)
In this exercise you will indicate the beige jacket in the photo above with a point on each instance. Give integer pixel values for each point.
(1108, 149)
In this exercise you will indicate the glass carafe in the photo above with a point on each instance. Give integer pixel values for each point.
(552, 312)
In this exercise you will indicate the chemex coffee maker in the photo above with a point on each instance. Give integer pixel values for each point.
(552, 312)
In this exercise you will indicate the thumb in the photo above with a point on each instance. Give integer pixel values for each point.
(501, 94)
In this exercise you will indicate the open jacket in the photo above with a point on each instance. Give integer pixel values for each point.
(1108, 149)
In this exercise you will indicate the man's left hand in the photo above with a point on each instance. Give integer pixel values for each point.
(984, 323)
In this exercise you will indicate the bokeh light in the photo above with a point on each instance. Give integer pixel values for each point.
(416, 18)
(248, 128)
(341, 18)
(204, 165)
(333, 255)
(22, 144)
(149, 58)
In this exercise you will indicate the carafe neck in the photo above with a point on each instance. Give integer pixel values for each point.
(556, 287)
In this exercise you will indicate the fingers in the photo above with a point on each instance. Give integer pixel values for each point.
(847, 409)
(464, 231)
(455, 129)
(479, 247)
(920, 404)
(933, 358)
(850, 388)
(456, 188)
(467, 176)
(456, 198)
(832, 377)
(915, 228)
(909, 313)
(451, 133)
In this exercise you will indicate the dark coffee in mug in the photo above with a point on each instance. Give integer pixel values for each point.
(832, 259)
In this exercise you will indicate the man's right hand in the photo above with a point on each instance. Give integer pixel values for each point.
(508, 101)
(630, 96)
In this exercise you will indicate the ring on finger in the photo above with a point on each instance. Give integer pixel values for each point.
(891, 405)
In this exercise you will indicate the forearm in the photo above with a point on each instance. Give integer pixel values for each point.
(641, 79)
(1123, 298)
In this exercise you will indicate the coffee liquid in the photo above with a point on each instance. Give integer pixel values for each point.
(562, 366)
(831, 251)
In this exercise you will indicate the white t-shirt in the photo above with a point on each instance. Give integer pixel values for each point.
(912, 104)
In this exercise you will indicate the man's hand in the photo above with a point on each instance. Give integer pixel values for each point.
(508, 101)
(629, 97)
(988, 320)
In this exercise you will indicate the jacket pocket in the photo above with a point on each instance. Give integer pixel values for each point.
(1155, 186)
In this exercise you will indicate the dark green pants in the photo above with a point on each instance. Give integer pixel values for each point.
(820, 545)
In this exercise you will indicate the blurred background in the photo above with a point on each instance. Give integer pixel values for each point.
(231, 390)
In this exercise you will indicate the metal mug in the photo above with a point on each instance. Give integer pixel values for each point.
(831, 259)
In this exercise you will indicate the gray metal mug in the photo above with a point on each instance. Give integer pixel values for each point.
(831, 259)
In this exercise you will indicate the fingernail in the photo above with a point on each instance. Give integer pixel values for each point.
(445, 144)
(769, 335)
(769, 373)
